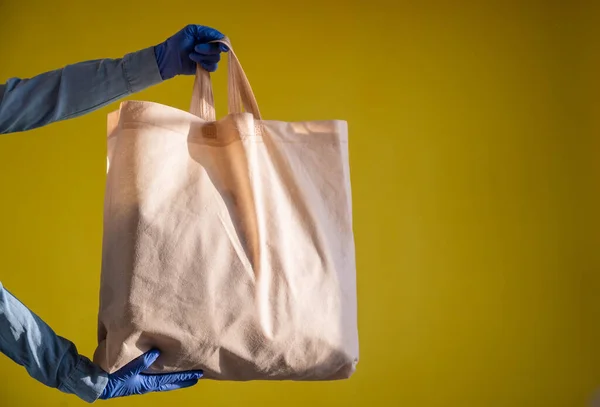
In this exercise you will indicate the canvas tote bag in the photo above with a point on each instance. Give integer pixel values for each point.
(228, 243)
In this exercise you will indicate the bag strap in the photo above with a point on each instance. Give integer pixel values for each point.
(240, 94)
(203, 103)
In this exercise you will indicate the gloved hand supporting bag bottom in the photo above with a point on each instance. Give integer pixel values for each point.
(228, 244)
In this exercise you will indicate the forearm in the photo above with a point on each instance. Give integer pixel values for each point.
(74, 90)
(48, 358)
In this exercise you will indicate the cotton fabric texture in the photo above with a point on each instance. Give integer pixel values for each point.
(228, 243)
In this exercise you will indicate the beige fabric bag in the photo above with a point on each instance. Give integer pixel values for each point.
(228, 244)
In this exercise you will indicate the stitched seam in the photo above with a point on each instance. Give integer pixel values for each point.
(67, 383)
(126, 74)
(87, 394)
(256, 137)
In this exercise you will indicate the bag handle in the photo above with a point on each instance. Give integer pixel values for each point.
(240, 92)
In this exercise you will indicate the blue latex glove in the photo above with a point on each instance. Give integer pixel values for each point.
(179, 54)
(130, 379)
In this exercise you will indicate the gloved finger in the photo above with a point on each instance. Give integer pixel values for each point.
(208, 49)
(203, 33)
(207, 59)
(141, 363)
(180, 385)
(209, 67)
(155, 381)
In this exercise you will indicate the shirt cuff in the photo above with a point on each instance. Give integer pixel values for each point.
(141, 69)
(86, 380)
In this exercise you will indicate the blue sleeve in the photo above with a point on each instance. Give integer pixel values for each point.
(74, 90)
(48, 358)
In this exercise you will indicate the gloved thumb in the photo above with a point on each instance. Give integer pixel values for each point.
(142, 363)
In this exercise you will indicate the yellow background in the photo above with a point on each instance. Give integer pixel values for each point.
(474, 142)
